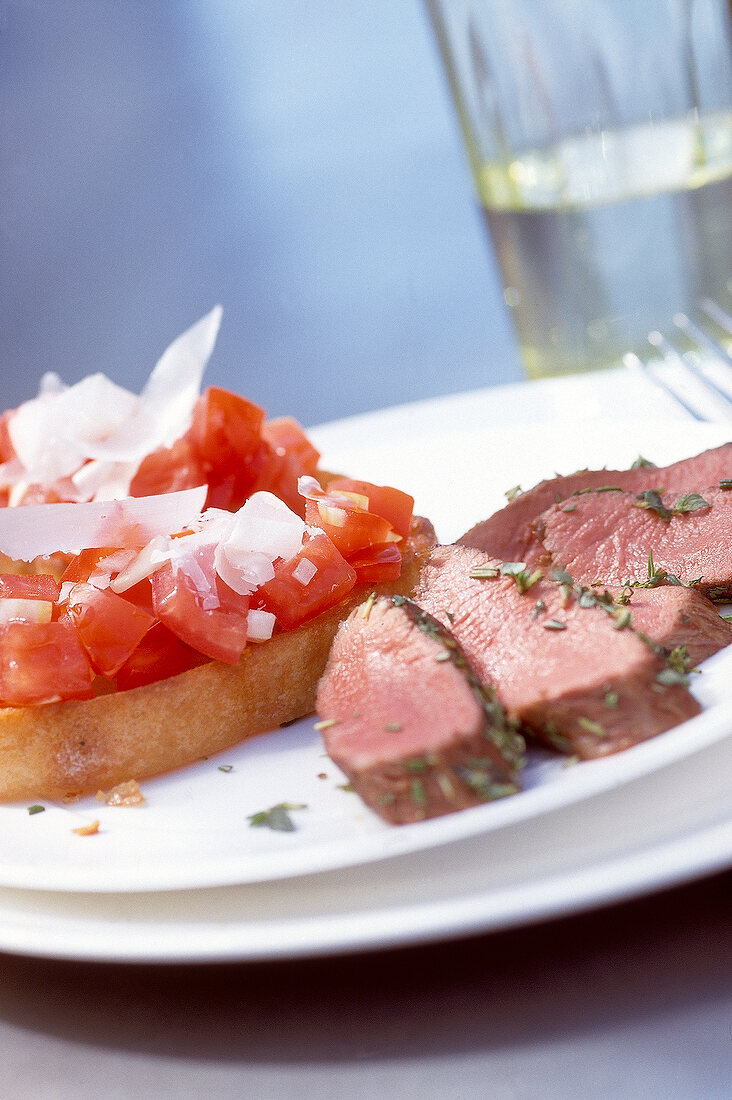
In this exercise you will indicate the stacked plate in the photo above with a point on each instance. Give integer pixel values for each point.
(187, 877)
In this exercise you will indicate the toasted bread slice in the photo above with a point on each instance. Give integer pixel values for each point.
(62, 750)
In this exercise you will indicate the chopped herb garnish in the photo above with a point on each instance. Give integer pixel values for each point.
(561, 576)
(651, 499)
(419, 795)
(483, 572)
(599, 489)
(226, 767)
(689, 502)
(368, 605)
(592, 727)
(511, 494)
(554, 624)
(656, 576)
(393, 727)
(36, 809)
(522, 576)
(276, 817)
(326, 723)
(611, 699)
(641, 463)
(622, 618)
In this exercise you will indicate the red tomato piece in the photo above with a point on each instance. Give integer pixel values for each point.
(37, 586)
(349, 527)
(86, 562)
(159, 655)
(109, 627)
(218, 632)
(316, 578)
(168, 470)
(378, 563)
(7, 450)
(394, 505)
(42, 663)
(291, 456)
(226, 437)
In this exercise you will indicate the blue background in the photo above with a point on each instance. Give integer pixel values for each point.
(298, 162)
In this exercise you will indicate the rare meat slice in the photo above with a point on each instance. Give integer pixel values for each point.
(509, 535)
(579, 668)
(405, 718)
(620, 538)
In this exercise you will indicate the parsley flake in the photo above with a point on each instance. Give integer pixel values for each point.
(276, 817)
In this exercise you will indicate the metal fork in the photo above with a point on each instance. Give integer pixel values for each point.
(693, 388)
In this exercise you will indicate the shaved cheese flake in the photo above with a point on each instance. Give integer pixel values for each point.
(165, 408)
(55, 434)
(243, 570)
(143, 565)
(100, 480)
(309, 487)
(260, 625)
(42, 529)
(52, 434)
(263, 530)
(265, 523)
(111, 566)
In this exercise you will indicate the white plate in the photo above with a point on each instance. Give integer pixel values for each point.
(668, 827)
(193, 831)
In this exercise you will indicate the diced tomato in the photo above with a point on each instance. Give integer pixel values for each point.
(394, 505)
(140, 595)
(96, 562)
(291, 456)
(168, 470)
(349, 528)
(7, 450)
(226, 438)
(316, 578)
(159, 655)
(219, 632)
(32, 586)
(109, 627)
(42, 663)
(378, 563)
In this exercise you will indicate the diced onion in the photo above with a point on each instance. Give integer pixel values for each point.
(304, 571)
(260, 625)
(334, 517)
(14, 609)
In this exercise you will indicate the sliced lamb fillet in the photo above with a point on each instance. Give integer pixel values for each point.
(403, 715)
(587, 674)
(508, 533)
(607, 538)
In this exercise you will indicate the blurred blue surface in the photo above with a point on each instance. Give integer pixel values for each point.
(299, 163)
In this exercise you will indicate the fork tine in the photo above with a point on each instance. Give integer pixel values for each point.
(702, 338)
(716, 313)
(633, 362)
(672, 354)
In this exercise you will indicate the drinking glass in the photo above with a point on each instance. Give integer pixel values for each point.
(599, 133)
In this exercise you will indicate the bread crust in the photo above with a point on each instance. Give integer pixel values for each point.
(76, 747)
